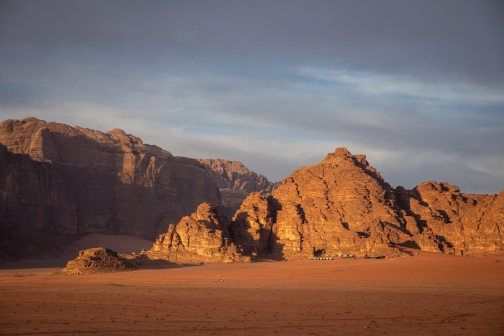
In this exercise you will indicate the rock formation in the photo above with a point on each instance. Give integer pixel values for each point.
(96, 260)
(72, 180)
(62, 180)
(235, 182)
(441, 218)
(251, 228)
(201, 237)
(343, 205)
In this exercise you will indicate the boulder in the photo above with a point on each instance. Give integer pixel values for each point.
(96, 260)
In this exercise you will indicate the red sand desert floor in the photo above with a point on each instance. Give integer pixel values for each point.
(427, 294)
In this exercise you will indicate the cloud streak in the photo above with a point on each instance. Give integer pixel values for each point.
(376, 84)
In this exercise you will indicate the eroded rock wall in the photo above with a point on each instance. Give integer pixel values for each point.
(72, 180)
(457, 223)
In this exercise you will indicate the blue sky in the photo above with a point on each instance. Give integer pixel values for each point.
(417, 86)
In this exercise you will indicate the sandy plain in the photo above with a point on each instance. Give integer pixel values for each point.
(426, 294)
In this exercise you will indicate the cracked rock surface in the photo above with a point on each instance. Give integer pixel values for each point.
(343, 206)
(201, 237)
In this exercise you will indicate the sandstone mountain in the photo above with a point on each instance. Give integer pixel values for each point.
(59, 182)
(343, 205)
(236, 182)
(70, 180)
(201, 237)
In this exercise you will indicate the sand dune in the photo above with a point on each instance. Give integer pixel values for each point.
(428, 294)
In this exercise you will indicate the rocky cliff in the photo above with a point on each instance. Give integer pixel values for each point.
(201, 237)
(60, 180)
(455, 222)
(343, 205)
(71, 180)
(235, 182)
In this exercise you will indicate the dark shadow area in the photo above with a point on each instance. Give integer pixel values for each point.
(409, 244)
(264, 247)
(363, 234)
(66, 197)
(397, 227)
(403, 247)
(143, 263)
(403, 198)
(445, 216)
(443, 243)
(318, 252)
(365, 167)
(34, 264)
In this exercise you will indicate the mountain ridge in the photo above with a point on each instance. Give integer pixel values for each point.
(61, 180)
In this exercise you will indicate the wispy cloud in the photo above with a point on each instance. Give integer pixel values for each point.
(377, 84)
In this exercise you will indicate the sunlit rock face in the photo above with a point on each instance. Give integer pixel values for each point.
(236, 182)
(462, 224)
(343, 206)
(201, 237)
(74, 180)
(97, 260)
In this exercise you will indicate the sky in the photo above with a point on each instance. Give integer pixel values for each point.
(416, 86)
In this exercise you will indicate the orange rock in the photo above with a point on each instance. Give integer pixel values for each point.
(463, 224)
(201, 237)
(96, 260)
(343, 206)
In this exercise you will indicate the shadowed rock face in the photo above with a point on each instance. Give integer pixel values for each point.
(236, 182)
(72, 180)
(342, 205)
(201, 237)
(251, 228)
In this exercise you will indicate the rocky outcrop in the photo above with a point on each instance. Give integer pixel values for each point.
(343, 206)
(72, 180)
(339, 206)
(235, 182)
(251, 228)
(201, 237)
(462, 224)
(96, 260)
